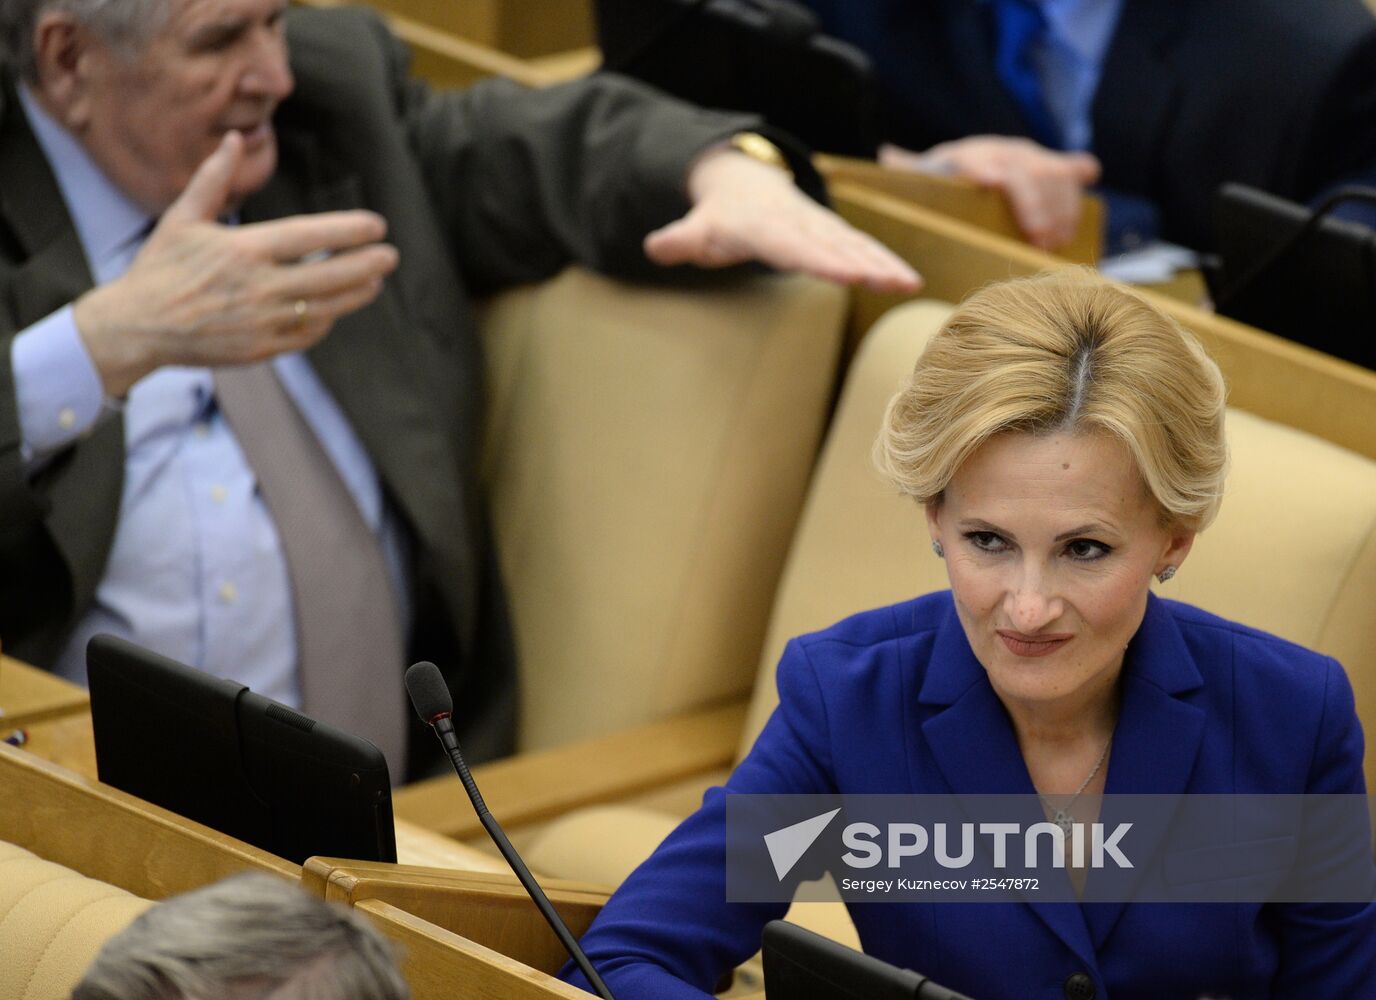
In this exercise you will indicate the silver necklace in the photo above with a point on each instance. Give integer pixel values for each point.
(1061, 817)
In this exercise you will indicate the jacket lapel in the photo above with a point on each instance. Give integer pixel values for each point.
(1155, 746)
(970, 737)
(973, 745)
(54, 269)
(363, 358)
(83, 486)
(1138, 91)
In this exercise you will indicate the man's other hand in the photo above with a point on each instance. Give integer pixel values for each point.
(744, 210)
(200, 293)
(1044, 187)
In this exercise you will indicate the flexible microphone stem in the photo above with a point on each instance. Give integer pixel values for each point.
(444, 729)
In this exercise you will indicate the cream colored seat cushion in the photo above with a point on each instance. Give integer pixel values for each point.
(53, 921)
(647, 453)
(604, 844)
(623, 836)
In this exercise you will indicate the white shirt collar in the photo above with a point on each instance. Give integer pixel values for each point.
(105, 217)
(1082, 26)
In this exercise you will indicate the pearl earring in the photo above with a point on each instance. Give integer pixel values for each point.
(940, 552)
(1166, 574)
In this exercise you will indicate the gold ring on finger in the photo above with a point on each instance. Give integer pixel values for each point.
(301, 308)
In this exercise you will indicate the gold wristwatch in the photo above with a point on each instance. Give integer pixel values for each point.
(757, 147)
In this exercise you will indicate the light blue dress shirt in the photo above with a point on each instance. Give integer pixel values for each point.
(1071, 62)
(196, 571)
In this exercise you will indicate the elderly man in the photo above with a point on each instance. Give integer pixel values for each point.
(251, 936)
(186, 459)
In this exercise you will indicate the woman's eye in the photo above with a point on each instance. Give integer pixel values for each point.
(1087, 550)
(986, 541)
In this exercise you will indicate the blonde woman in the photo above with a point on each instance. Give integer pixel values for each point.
(1064, 441)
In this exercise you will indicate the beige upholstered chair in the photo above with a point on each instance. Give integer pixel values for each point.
(647, 453)
(1293, 552)
(52, 922)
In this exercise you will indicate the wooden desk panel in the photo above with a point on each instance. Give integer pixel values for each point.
(68, 741)
(961, 199)
(518, 30)
(441, 965)
(487, 909)
(111, 836)
(29, 695)
(117, 838)
(524, 28)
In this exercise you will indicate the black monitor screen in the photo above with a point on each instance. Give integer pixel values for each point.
(1316, 287)
(213, 751)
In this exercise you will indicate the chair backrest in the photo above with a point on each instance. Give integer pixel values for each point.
(646, 456)
(53, 921)
(1293, 550)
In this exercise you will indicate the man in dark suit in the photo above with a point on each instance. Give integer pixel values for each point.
(185, 457)
(1173, 99)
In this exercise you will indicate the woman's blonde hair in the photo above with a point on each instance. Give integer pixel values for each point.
(1063, 352)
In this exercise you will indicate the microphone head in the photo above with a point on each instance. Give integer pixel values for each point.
(429, 694)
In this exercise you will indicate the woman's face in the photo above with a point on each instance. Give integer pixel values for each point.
(1050, 542)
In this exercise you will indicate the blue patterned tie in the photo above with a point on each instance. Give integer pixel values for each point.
(1019, 28)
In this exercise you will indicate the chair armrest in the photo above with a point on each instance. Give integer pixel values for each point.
(546, 783)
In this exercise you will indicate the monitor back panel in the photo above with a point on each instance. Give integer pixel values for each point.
(213, 751)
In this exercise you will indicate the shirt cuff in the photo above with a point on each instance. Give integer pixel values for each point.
(59, 391)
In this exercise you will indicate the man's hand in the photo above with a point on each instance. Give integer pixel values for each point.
(200, 293)
(744, 210)
(1043, 186)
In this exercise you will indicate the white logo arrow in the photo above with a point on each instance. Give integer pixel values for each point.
(786, 846)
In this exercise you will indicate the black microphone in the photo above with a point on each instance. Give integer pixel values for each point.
(430, 696)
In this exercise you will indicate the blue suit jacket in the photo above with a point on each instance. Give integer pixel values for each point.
(894, 701)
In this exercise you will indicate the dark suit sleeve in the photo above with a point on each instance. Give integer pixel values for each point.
(528, 181)
(1329, 949)
(668, 933)
(1341, 145)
